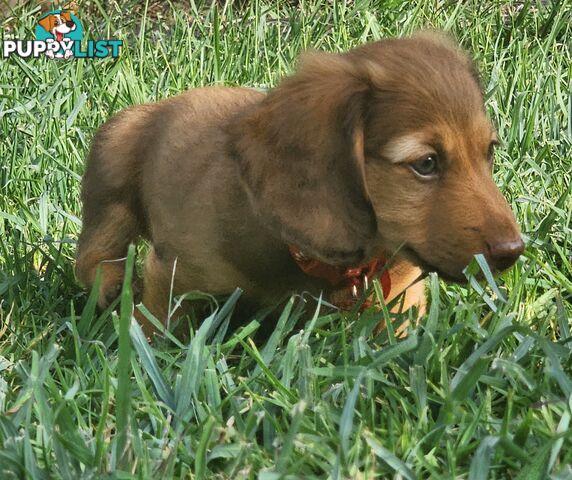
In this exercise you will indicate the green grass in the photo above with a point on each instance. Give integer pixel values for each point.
(481, 388)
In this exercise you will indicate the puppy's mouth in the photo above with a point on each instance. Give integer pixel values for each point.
(429, 267)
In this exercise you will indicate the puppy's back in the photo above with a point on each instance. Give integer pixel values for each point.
(137, 155)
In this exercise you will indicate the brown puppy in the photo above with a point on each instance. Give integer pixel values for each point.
(357, 156)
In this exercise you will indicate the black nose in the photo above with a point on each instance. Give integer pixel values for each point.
(505, 253)
(70, 24)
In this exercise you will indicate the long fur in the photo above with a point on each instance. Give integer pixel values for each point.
(223, 180)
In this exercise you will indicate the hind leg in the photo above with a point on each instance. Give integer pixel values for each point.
(107, 232)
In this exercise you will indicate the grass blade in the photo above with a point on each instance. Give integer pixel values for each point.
(123, 392)
(346, 420)
(149, 363)
(390, 459)
(481, 462)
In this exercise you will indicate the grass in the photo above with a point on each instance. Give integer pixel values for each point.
(481, 388)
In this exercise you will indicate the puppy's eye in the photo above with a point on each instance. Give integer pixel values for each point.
(426, 166)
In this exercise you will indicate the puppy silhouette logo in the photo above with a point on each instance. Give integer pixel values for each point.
(59, 35)
(60, 29)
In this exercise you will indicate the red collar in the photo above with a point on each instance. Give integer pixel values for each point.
(353, 279)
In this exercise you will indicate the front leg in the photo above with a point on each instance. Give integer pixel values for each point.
(405, 280)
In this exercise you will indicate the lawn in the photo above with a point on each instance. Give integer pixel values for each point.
(480, 388)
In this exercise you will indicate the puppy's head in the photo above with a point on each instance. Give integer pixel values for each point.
(62, 22)
(383, 148)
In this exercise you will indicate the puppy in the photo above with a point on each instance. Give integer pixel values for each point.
(59, 25)
(374, 162)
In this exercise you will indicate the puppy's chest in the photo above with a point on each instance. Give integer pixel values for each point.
(346, 287)
(271, 273)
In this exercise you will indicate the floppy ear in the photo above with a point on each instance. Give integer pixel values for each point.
(301, 159)
(47, 23)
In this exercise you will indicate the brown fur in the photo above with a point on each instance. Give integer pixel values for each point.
(224, 179)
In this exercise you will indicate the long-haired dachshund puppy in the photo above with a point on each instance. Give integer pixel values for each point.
(374, 162)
